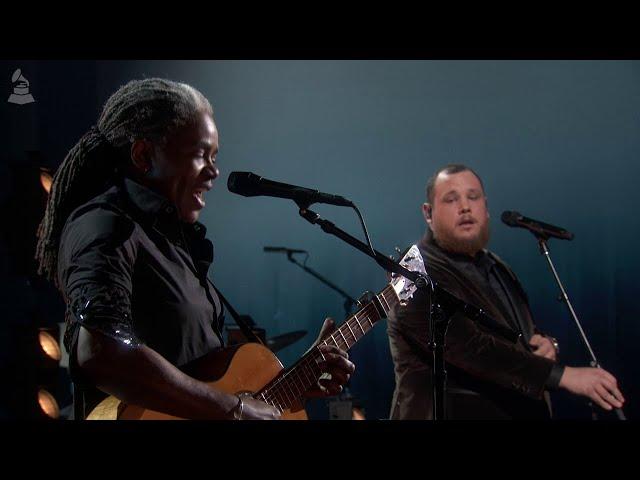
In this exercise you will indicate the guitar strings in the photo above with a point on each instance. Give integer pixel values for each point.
(282, 384)
(270, 392)
(309, 360)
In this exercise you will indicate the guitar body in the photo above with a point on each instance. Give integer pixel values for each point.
(252, 368)
(240, 368)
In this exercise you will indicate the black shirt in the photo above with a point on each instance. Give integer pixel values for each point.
(483, 271)
(130, 269)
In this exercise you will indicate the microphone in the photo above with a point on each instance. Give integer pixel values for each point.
(283, 250)
(250, 185)
(515, 219)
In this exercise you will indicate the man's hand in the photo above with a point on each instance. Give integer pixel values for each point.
(595, 383)
(543, 347)
(336, 365)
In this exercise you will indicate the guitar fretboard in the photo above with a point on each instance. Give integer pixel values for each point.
(291, 384)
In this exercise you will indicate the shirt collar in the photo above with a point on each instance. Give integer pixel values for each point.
(157, 208)
(146, 200)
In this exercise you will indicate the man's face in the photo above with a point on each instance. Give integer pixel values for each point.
(458, 217)
(184, 169)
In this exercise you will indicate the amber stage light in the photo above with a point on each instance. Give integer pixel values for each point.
(45, 180)
(48, 404)
(49, 346)
(358, 414)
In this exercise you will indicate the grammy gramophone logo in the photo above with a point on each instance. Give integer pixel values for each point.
(20, 93)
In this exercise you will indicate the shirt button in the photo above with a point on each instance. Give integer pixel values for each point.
(169, 210)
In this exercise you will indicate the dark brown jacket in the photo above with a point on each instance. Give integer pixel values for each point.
(487, 376)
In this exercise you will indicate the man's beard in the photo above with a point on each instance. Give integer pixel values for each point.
(467, 246)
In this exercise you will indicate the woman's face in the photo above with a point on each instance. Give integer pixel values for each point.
(184, 169)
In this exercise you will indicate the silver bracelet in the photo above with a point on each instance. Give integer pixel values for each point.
(238, 409)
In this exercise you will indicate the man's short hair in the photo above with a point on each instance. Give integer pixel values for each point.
(449, 170)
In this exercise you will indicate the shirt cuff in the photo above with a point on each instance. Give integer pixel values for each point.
(553, 381)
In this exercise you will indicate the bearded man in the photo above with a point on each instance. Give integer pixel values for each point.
(488, 377)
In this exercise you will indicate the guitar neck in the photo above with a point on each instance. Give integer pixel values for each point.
(290, 385)
(357, 326)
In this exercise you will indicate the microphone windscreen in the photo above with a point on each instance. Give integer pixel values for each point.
(240, 183)
(510, 218)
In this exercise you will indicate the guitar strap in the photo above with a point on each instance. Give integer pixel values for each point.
(246, 329)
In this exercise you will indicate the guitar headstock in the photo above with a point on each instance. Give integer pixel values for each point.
(405, 288)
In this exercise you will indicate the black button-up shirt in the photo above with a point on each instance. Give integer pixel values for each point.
(483, 271)
(130, 269)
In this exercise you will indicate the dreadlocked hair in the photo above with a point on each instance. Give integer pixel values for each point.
(142, 109)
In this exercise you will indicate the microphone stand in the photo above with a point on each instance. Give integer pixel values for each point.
(348, 300)
(544, 250)
(438, 321)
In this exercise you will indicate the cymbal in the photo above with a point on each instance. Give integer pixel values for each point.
(281, 341)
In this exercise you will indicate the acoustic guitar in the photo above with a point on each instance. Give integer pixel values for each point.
(252, 369)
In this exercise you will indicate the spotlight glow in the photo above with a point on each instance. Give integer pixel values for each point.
(48, 404)
(49, 346)
(46, 180)
(357, 414)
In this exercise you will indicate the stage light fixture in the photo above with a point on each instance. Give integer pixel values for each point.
(48, 404)
(46, 179)
(357, 414)
(49, 345)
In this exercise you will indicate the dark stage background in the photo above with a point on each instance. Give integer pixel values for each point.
(555, 140)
